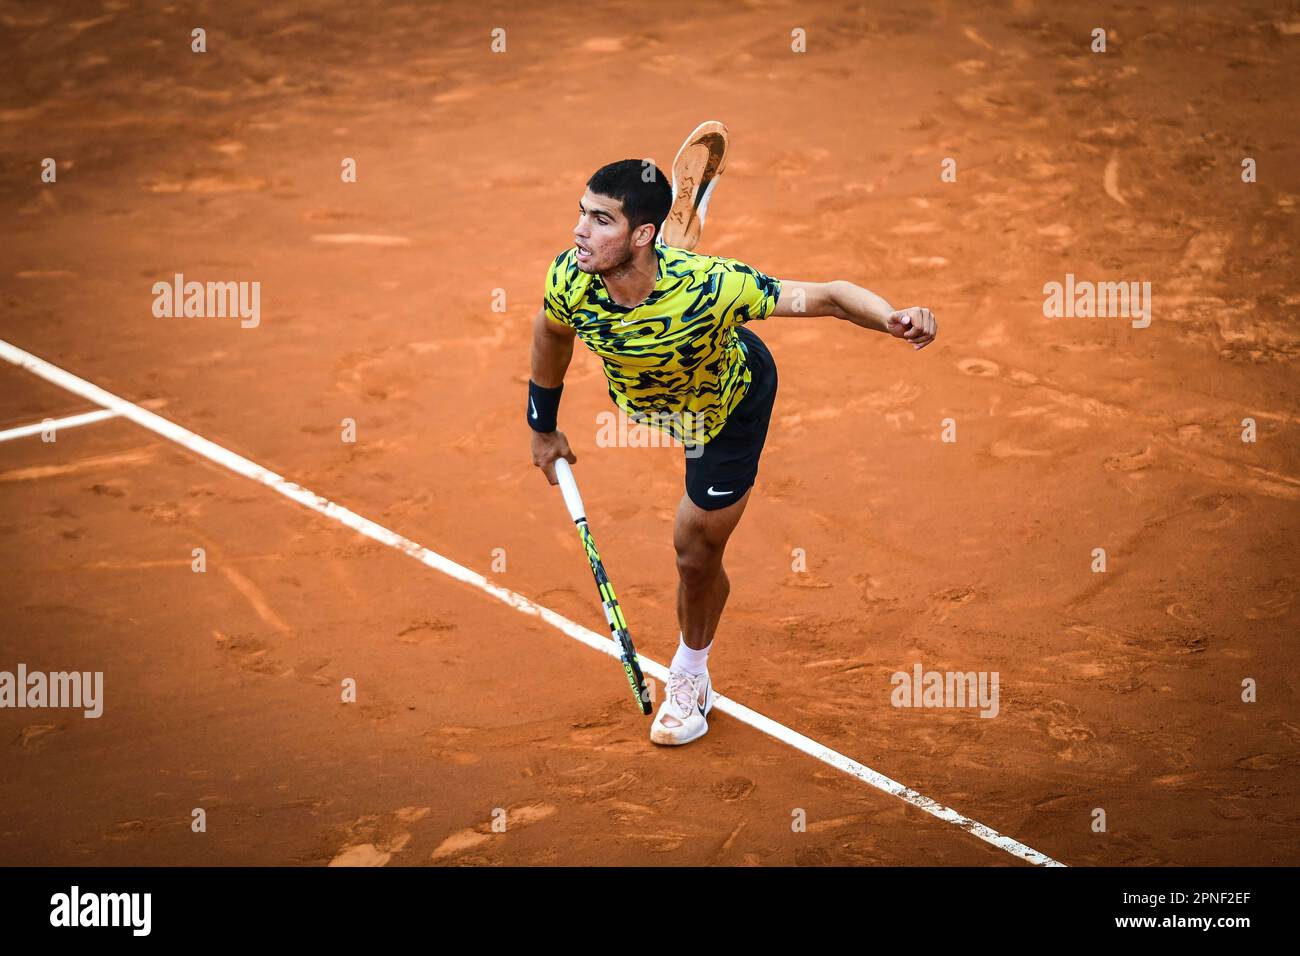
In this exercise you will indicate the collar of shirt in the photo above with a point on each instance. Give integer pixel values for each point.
(606, 301)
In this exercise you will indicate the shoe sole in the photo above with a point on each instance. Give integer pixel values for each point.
(696, 168)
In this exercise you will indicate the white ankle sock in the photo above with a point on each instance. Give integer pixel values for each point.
(690, 660)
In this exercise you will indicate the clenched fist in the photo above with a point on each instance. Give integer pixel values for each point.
(915, 324)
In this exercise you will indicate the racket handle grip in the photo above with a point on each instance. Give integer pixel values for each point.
(569, 487)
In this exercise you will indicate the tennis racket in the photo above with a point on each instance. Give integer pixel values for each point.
(613, 612)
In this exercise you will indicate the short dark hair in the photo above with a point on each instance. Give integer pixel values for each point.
(643, 201)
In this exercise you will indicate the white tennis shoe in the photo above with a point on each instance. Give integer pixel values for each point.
(681, 716)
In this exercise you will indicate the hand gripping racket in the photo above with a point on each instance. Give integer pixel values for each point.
(613, 612)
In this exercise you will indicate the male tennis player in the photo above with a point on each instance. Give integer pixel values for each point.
(669, 326)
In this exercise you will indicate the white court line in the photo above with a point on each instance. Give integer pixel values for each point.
(72, 421)
(599, 642)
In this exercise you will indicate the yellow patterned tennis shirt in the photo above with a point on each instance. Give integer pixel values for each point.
(674, 361)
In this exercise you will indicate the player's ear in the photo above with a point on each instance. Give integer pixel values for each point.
(643, 235)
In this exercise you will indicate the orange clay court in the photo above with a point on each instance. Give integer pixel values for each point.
(1121, 691)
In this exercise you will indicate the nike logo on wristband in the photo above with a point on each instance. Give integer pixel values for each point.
(532, 406)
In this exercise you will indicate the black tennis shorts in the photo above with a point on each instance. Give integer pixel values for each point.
(726, 469)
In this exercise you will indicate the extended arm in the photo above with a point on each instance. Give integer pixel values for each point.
(844, 300)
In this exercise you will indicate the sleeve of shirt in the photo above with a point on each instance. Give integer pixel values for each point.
(752, 294)
(556, 301)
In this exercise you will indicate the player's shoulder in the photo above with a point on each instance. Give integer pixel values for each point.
(682, 262)
(565, 264)
(566, 286)
(563, 277)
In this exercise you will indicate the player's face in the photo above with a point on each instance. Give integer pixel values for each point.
(601, 234)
